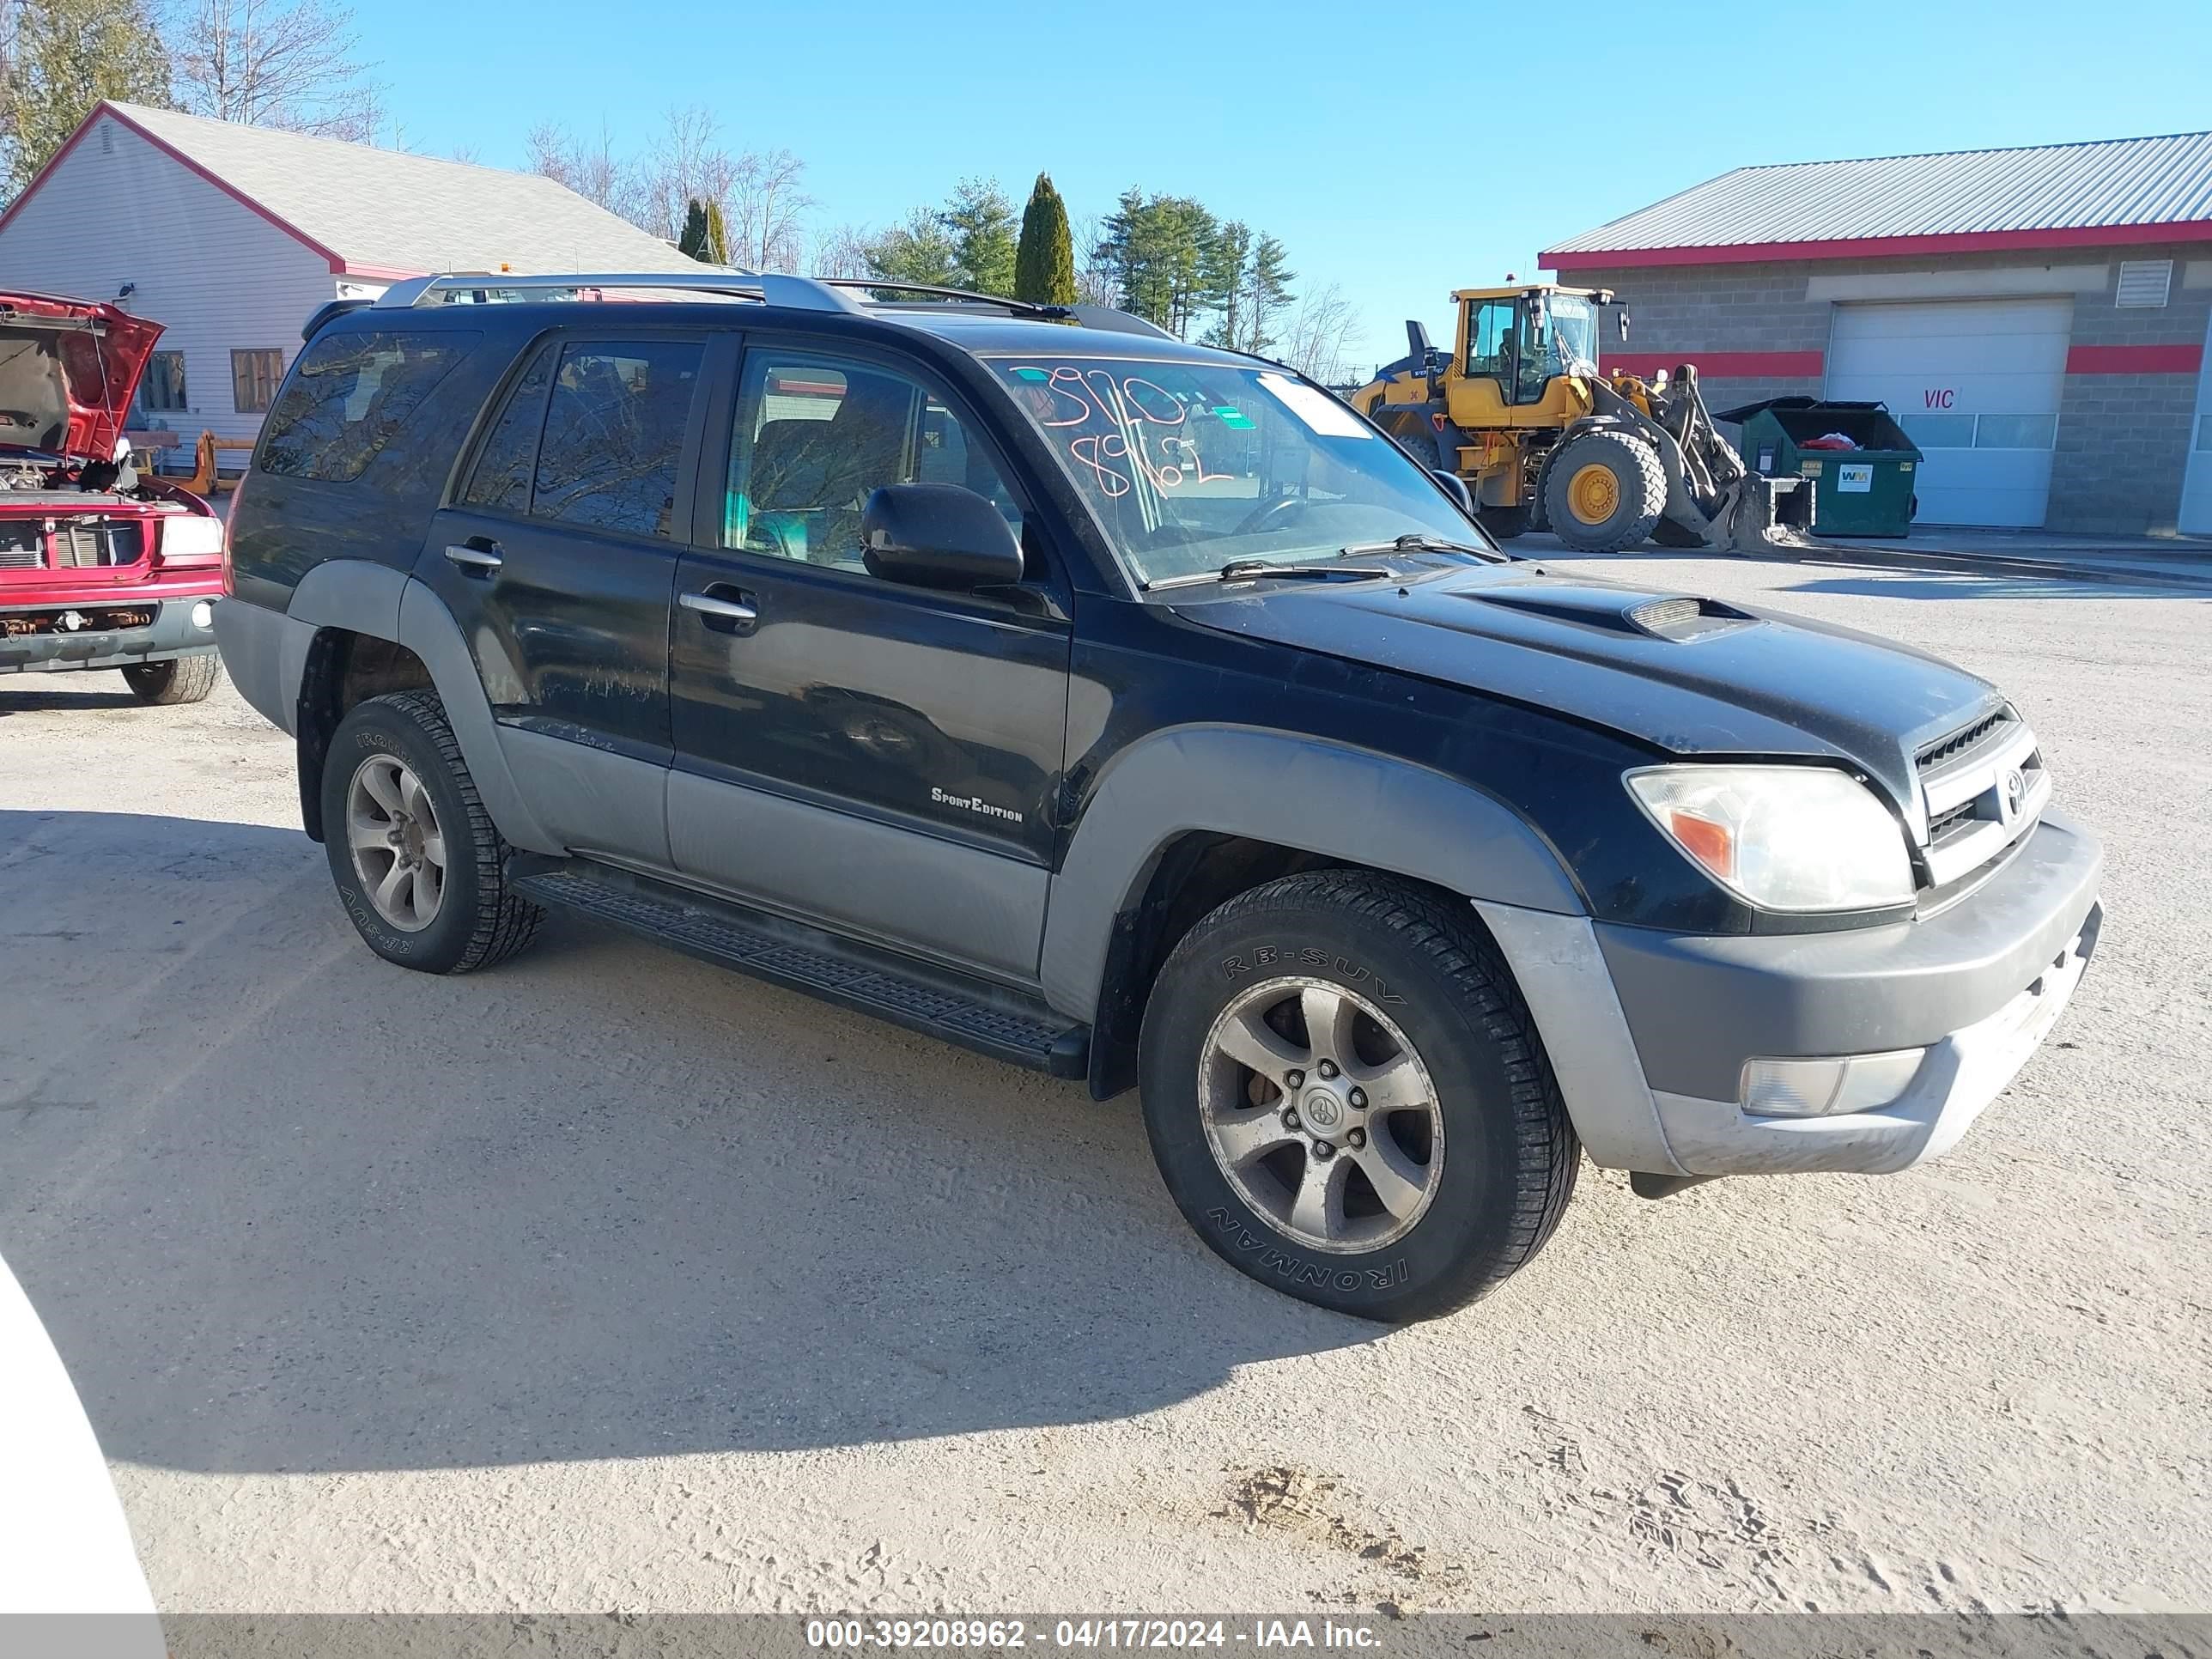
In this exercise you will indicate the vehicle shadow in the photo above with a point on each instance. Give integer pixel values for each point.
(284, 1206)
(14, 700)
(1942, 585)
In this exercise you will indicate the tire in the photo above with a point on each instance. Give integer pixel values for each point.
(177, 679)
(1487, 1135)
(446, 914)
(1604, 490)
(1503, 523)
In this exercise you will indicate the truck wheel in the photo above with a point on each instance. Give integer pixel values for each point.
(1604, 490)
(1503, 523)
(179, 679)
(1348, 1100)
(418, 863)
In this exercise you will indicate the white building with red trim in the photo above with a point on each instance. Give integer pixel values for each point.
(232, 236)
(2037, 319)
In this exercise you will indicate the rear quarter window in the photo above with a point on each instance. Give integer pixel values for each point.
(354, 395)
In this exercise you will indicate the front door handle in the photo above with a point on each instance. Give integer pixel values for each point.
(737, 614)
(475, 557)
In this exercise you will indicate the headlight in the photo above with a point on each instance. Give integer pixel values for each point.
(1782, 837)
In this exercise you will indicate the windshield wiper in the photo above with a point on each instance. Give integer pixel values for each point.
(1245, 570)
(1420, 543)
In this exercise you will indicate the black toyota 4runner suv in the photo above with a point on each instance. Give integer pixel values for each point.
(1139, 712)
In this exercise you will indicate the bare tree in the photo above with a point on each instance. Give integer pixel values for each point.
(686, 164)
(839, 251)
(1322, 335)
(766, 208)
(1096, 284)
(590, 167)
(290, 64)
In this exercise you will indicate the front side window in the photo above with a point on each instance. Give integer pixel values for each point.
(350, 395)
(162, 390)
(253, 378)
(816, 437)
(1191, 465)
(613, 439)
(509, 455)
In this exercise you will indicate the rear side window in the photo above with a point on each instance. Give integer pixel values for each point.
(615, 419)
(349, 395)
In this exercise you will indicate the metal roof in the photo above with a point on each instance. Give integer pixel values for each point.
(383, 213)
(2082, 194)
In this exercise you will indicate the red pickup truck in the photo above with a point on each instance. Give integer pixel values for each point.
(100, 566)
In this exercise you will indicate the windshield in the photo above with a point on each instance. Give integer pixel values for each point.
(1558, 335)
(1191, 466)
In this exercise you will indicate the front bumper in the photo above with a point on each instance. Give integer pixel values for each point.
(175, 631)
(1649, 1042)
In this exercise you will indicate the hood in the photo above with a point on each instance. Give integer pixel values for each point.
(68, 371)
(1687, 675)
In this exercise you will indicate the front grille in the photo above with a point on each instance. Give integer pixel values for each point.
(1943, 823)
(94, 542)
(1990, 729)
(20, 558)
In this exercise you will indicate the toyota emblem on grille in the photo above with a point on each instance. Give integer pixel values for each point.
(2016, 793)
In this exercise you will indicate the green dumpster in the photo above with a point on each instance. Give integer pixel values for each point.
(1860, 463)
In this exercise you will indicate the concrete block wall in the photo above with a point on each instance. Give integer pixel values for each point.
(2124, 434)
(1760, 329)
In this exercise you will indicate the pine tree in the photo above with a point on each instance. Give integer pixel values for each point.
(1044, 260)
(917, 250)
(1267, 280)
(69, 55)
(981, 221)
(1161, 249)
(692, 243)
(718, 236)
(1225, 285)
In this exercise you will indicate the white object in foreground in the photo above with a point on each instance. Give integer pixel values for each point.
(66, 1548)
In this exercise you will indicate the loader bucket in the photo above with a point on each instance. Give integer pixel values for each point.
(1770, 515)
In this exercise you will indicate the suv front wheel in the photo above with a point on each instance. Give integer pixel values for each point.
(418, 863)
(1347, 1098)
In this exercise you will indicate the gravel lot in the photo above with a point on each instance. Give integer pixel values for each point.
(610, 1280)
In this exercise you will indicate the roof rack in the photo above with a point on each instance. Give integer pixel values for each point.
(799, 293)
(763, 288)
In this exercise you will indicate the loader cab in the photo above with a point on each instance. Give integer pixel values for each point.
(1518, 354)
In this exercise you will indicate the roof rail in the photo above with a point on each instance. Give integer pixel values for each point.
(799, 293)
(764, 287)
(939, 291)
(1105, 317)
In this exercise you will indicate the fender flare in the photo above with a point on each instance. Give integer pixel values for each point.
(365, 598)
(1353, 803)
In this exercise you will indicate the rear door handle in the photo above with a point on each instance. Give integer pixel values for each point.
(476, 560)
(736, 614)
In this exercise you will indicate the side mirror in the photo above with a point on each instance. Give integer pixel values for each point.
(1455, 487)
(938, 535)
(1620, 322)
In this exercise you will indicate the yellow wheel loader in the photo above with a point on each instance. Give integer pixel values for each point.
(1544, 440)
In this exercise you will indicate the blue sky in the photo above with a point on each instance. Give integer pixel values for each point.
(1399, 151)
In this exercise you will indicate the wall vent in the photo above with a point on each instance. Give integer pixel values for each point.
(107, 139)
(2144, 283)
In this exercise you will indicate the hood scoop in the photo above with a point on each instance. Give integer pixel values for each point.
(1620, 610)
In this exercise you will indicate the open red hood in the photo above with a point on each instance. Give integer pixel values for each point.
(68, 370)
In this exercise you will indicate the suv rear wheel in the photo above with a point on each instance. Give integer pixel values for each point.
(1347, 1098)
(418, 863)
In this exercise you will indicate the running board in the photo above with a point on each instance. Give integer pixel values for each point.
(937, 1002)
